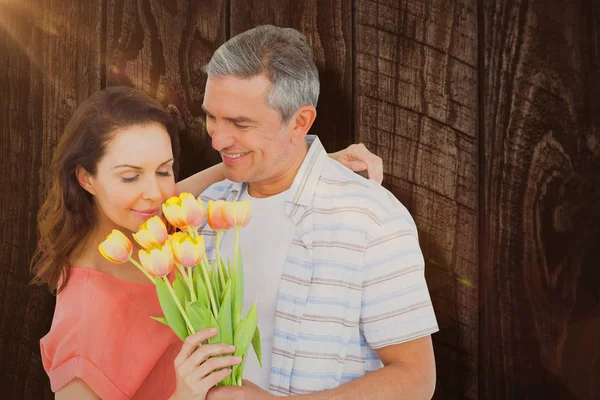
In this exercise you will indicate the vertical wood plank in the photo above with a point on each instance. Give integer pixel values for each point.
(50, 63)
(160, 47)
(416, 96)
(328, 29)
(541, 190)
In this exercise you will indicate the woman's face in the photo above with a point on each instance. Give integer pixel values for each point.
(134, 177)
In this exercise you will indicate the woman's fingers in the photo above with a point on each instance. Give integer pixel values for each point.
(213, 364)
(202, 354)
(190, 344)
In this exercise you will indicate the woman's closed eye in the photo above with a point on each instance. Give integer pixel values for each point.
(127, 179)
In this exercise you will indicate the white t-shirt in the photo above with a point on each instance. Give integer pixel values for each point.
(264, 242)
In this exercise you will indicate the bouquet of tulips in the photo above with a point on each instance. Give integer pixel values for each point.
(202, 294)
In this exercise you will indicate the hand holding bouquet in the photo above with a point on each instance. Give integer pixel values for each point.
(202, 294)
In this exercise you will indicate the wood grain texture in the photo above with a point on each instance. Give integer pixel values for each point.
(416, 94)
(160, 47)
(50, 62)
(328, 29)
(541, 190)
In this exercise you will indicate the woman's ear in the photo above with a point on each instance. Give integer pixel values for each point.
(85, 179)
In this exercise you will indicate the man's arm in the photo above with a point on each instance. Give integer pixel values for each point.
(408, 373)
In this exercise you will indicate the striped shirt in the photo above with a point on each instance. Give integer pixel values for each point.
(353, 280)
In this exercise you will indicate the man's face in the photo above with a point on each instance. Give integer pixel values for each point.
(254, 144)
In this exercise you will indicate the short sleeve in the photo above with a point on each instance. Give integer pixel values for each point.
(95, 337)
(396, 305)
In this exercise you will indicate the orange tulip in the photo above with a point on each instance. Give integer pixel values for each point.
(216, 215)
(184, 211)
(238, 213)
(157, 261)
(116, 248)
(187, 250)
(153, 232)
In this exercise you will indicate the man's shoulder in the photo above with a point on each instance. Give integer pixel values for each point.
(217, 191)
(344, 189)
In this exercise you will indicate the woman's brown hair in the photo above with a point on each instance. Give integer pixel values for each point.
(67, 216)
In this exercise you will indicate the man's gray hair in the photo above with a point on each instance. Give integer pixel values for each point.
(282, 54)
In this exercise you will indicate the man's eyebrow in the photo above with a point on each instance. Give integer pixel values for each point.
(240, 119)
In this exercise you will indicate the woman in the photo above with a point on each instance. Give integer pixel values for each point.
(113, 168)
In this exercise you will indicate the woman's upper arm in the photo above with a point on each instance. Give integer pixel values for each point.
(76, 390)
(198, 182)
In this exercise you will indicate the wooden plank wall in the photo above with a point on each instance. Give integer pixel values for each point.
(416, 74)
(50, 63)
(484, 113)
(540, 191)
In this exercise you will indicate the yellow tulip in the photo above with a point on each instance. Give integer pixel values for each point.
(157, 261)
(187, 250)
(216, 215)
(116, 247)
(153, 232)
(238, 213)
(184, 211)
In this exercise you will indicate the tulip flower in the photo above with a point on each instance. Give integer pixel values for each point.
(216, 215)
(116, 248)
(157, 261)
(187, 250)
(238, 213)
(153, 232)
(184, 211)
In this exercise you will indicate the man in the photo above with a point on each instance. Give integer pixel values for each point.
(332, 259)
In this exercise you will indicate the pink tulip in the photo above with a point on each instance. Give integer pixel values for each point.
(238, 213)
(116, 247)
(153, 232)
(216, 216)
(184, 211)
(157, 261)
(187, 250)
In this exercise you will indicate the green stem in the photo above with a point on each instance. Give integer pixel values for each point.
(235, 248)
(217, 247)
(137, 264)
(188, 280)
(213, 303)
(185, 317)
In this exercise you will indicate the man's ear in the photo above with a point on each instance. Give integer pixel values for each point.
(85, 179)
(301, 123)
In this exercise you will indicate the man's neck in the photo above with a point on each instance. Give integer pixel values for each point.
(284, 180)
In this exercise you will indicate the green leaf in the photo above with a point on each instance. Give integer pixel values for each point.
(224, 318)
(230, 269)
(197, 320)
(239, 290)
(223, 271)
(201, 291)
(213, 324)
(161, 320)
(214, 281)
(256, 345)
(237, 372)
(181, 289)
(245, 331)
(172, 313)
